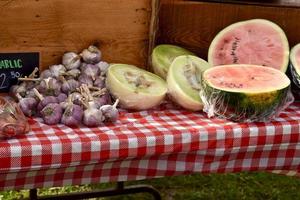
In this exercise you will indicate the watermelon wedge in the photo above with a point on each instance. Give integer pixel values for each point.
(295, 64)
(245, 92)
(256, 41)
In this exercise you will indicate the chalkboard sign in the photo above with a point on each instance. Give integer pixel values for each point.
(15, 65)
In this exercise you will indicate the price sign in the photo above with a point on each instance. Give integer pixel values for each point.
(15, 65)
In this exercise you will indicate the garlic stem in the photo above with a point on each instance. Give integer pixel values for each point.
(33, 74)
(116, 103)
(29, 79)
(36, 92)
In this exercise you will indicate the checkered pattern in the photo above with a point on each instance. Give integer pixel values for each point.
(165, 141)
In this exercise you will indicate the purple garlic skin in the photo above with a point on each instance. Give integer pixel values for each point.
(110, 113)
(72, 115)
(76, 96)
(49, 87)
(28, 106)
(46, 74)
(70, 86)
(30, 93)
(91, 70)
(71, 60)
(52, 113)
(57, 70)
(18, 89)
(91, 55)
(99, 82)
(47, 100)
(103, 66)
(103, 100)
(92, 117)
(73, 73)
(84, 79)
(61, 97)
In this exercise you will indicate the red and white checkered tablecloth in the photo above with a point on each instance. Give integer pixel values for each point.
(166, 141)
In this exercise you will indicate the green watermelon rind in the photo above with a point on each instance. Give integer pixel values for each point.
(160, 63)
(240, 107)
(237, 24)
(294, 68)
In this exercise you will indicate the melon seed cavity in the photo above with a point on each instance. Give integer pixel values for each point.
(138, 80)
(192, 75)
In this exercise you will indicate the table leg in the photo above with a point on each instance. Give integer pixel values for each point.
(33, 194)
(119, 190)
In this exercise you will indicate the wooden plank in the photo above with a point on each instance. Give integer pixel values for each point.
(120, 27)
(193, 25)
(273, 3)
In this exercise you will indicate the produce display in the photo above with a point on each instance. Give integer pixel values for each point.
(70, 93)
(184, 79)
(295, 64)
(245, 92)
(162, 57)
(242, 81)
(135, 88)
(257, 41)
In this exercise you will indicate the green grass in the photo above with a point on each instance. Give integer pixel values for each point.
(197, 187)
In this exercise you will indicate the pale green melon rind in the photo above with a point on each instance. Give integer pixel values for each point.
(237, 24)
(243, 107)
(179, 88)
(294, 67)
(163, 55)
(285, 80)
(129, 99)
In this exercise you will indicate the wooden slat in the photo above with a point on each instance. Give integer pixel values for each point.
(120, 27)
(193, 25)
(273, 3)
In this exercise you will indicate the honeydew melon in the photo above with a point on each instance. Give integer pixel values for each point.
(135, 88)
(163, 55)
(184, 81)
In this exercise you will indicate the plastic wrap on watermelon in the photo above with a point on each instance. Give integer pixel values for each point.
(12, 120)
(250, 94)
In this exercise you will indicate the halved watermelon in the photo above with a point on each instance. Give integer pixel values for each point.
(256, 41)
(245, 92)
(295, 64)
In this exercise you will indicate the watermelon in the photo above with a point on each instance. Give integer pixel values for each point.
(256, 41)
(162, 57)
(295, 64)
(242, 92)
(184, 82)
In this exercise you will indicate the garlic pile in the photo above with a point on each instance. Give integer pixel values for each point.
(70, 93)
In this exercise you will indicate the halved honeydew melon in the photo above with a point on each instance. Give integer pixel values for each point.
(134, 87)
(256, 41)
(184, 81)
(245, 92)
(162, 57)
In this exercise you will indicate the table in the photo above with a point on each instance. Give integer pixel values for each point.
(165, 141)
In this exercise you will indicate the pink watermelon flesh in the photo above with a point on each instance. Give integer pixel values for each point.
(246, 78)
(252, 43)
